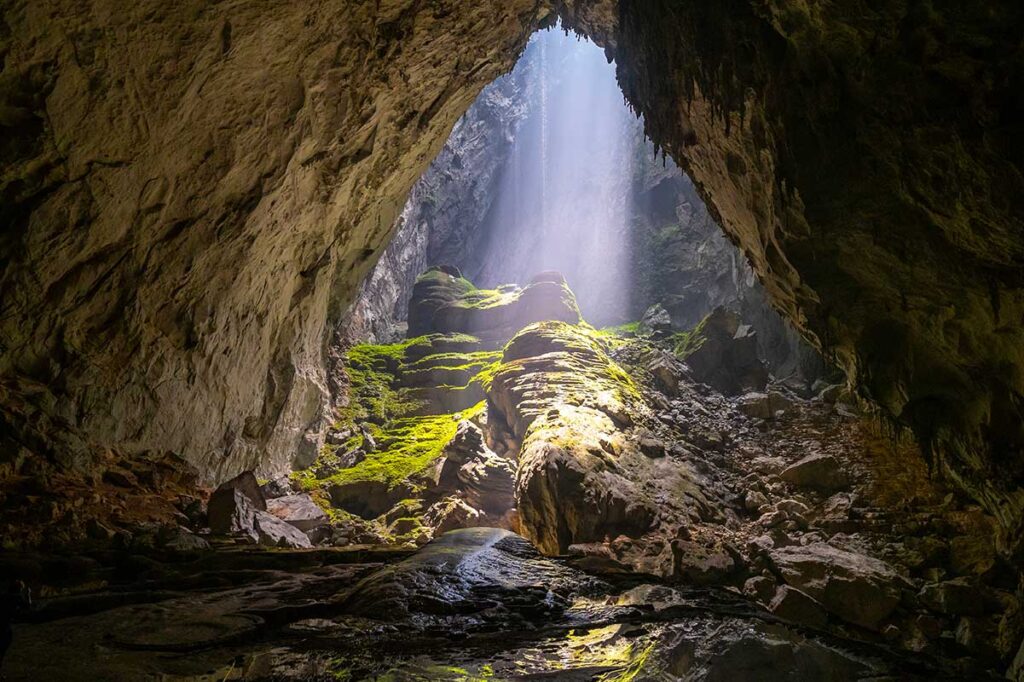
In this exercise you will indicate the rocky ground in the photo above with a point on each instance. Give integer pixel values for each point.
(685, 516)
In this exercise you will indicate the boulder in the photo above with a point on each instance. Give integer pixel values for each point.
(722, 352)
(273, 532)
(702, 564)
(763, 405)
(667, 373)
(656, 321)
(760, 588)
(754, 405)
(298, 510)
(958, 597)
(798, 607)
(231, 512)
(754, 500)
(819, 472)
(445, 302)
(279, 487)
(223, 507)
(351, 458)
(857, 588)
(451, 513)
(338, 436)
(179, 539)
(760, 652)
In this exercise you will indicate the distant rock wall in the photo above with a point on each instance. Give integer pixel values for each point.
(680, 256)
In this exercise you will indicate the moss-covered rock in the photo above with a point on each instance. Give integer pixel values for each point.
(574, 415)
(445, 302)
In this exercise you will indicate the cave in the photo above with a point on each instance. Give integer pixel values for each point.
(544, 339)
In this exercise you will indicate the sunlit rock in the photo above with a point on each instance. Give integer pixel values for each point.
(299, 511)
(583, 475)
(445, 302)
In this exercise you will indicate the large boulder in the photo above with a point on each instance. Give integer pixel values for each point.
(233, 502)
(656, 321)
(819, 472)
(445, 302)
(299, 511)
(271, 531)
(958, 597)
(794, 605)
(722, 352)
(857, 588)
(237, 516)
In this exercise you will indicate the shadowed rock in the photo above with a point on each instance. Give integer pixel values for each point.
(490, 572)
(857, 588)
(722, 352)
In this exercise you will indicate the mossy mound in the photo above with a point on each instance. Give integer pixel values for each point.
(445, 302)
(406, 448)
(550, 364)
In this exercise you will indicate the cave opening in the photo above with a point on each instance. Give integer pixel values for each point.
(278, 400)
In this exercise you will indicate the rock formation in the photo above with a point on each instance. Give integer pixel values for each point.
(193, 193)
(129, 275)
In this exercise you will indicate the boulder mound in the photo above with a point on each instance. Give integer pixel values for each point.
(722, 352)
(444, 302)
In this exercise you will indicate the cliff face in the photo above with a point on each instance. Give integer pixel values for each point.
(868, 162)
(192, 193)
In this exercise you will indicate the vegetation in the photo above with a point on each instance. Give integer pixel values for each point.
(628, 329)
(407, 447)
(685, 344)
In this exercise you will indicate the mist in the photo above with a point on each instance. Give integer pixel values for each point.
(563, 200)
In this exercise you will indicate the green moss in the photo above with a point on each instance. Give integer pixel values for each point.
(483, 299)
(627, 329)
(438, 276)
(583, 366)
(686, 343)
(407, 447)
(637, 665)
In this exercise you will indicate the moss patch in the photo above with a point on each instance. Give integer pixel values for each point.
(686, 343)
(407, 447)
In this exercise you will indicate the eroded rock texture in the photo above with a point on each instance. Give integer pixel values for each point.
(191, 194)
(867, 160)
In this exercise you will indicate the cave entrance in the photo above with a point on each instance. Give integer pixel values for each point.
(547, 205)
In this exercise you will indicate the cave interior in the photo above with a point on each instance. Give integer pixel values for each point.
(544, 339)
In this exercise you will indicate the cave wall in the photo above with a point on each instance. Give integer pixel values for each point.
(192, 192)
(867, 160)
(440, 222)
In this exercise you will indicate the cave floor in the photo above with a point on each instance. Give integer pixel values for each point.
(793, 539)
(477, 604)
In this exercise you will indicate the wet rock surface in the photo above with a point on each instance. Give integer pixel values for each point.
(477, 602)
